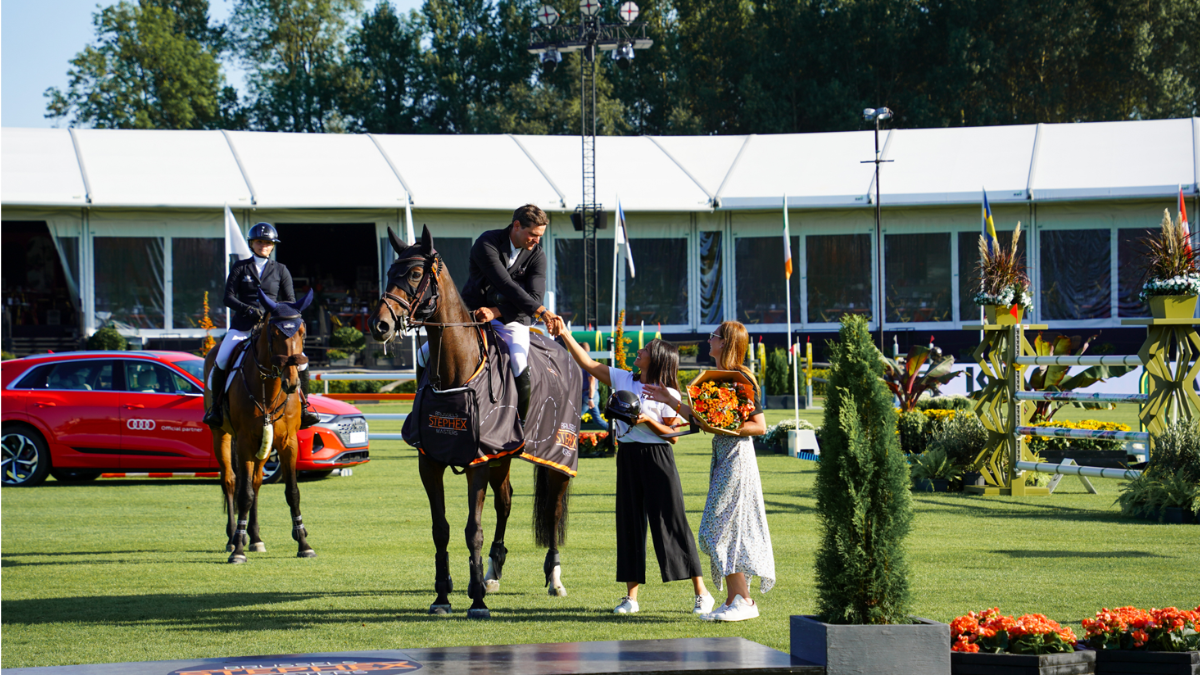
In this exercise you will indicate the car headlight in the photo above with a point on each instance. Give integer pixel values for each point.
(326, 417)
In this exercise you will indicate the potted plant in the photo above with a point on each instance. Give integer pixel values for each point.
(864, 603)
(1159, 641)
(1003, 283)
(1169, 488)
(904, 378)
(1059, 378)
(1173, 278)
(933, 470)
(990, 642)
(345, 344)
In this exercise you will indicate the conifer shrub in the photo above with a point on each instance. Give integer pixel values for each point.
(107, 339)
(864, 508)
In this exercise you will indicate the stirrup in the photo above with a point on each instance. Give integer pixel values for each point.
(308, 418)
(214, 416)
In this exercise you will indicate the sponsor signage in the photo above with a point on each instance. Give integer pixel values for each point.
(138, 424)
(284, 665)
(447, 423)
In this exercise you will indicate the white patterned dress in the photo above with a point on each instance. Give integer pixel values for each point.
(733, 529)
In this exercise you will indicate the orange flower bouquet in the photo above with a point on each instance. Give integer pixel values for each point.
(989, 631)
(1158, 630)
(722, 400)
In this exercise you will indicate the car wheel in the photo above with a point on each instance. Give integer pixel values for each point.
(65, 476)
(26, 458)
(271, 472)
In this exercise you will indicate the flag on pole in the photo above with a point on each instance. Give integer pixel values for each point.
(787, 243)
(408, 224)
(1187, 232)
(989, 227)
(623, 238)
(235, 242)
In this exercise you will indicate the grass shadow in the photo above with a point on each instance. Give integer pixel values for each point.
(1079, 554)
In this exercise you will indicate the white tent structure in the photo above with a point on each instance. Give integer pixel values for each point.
(136, 216)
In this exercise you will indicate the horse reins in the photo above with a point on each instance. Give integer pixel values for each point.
(275, 372)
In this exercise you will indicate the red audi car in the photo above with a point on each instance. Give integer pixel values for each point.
(76, 415)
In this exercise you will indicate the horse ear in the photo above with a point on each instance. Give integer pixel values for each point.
(266, 302)
(426, 239)
(397, 245)
(304, 302)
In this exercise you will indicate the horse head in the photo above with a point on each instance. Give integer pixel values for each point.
(284, 332)
(412, 287)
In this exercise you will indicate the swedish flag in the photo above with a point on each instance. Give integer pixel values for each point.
(989, 227)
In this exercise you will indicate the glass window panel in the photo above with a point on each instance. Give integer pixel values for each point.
(568, 275)
(658, 294)
(129, 281)
(839, 276)
(711, 287)
(917, 268)
(761, 294)
(1131, 273)
(196, 269)
(968, 271)
(1076, 274)
(82, 375)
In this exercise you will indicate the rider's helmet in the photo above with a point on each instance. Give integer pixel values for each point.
(263, 231)
(623, 405)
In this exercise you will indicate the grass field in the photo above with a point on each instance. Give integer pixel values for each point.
(134, 570)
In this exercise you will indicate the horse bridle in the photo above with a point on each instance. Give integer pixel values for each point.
(425, 292)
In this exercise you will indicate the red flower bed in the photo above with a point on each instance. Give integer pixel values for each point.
(989, 631)
(1158, 630)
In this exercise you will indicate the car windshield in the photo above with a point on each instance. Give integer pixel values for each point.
(193, 367)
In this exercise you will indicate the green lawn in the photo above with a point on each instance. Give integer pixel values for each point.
(134, 570)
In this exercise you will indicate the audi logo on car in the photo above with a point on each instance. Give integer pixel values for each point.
(140, 425)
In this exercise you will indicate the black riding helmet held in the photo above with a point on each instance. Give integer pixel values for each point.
(623, 405)
(263, 231)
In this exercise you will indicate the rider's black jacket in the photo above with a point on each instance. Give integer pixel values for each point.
(516, 290)
(241, 290)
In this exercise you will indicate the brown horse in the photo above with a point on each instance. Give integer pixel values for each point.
(264, 415)
(420, 292)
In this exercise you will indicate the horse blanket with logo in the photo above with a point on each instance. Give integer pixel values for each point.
(478, 422)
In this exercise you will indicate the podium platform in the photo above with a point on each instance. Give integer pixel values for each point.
(694, 656)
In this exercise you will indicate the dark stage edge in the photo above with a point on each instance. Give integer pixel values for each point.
(708, 656)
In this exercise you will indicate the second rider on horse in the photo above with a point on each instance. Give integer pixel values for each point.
(246, 278)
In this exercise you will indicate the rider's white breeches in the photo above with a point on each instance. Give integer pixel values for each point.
(232, 338)
(515, 335)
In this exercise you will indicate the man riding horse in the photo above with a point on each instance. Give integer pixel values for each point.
(246, 279)
(505, 285)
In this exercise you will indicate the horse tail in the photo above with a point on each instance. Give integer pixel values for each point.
(549, 513)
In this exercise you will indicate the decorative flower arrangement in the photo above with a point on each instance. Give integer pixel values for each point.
(991, 632)
(1002, 277)
(723, 405)
(589, 440)
(1157, 630)
(1171, 262)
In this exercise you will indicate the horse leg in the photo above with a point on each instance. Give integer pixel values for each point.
(291, 490)
(222, 448)
(255, 541)
(502, 492)
(432, 474)
(477, 483)
(245, 500)
(556, 492)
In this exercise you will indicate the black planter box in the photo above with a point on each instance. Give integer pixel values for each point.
(1124, 662)
(909, 649)
(1072, 663)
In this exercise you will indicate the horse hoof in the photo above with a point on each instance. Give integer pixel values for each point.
(479, 613)
(307, 553)
(237, 559)
(439, 610)
(492, 585)
(258, 547)
(557, 592)
(229, 548)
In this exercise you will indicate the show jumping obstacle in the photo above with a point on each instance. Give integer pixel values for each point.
(1003, 357)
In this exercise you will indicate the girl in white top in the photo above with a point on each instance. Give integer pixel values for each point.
(648, 487)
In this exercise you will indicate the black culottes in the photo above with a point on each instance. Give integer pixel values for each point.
(649, 493)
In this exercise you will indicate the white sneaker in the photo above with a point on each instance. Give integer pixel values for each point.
(712, 616)
(738, 610)
(627, 606)
(704, 604)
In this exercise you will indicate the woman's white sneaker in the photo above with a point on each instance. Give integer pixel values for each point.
(704, 604)
(738, 610)
(712, 616)
(627, 606)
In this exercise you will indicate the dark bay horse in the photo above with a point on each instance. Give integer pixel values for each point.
(420, 292)
(264, 414)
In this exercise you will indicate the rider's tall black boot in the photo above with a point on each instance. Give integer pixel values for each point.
(215, 416)
(307, 416)
(524, 391)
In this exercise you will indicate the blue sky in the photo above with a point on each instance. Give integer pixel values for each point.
(38, 38)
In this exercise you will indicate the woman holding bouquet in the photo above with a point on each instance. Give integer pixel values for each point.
(733, 529)
(648, 487)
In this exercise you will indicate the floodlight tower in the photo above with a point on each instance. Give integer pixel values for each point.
(877, 115)
(550, 40)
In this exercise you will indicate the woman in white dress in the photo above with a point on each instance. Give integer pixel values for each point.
(733, 529)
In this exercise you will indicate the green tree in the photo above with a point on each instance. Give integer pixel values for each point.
(143, 72)
(864, 508)
(295, 53)
(386, 54)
